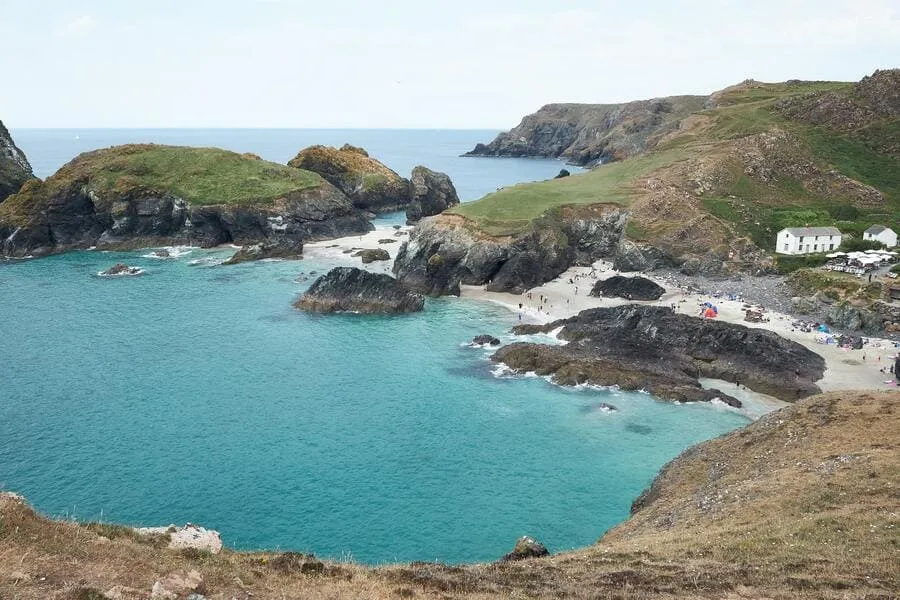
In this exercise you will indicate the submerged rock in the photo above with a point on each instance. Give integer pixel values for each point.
(485, 340)
(371, 255)
(120, 269)
(348, 289)
(431, 193)
(630, 288)
(653, 349)
(526, 547)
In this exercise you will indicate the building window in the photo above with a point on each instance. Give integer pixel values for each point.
(801, 239)
(785, 247)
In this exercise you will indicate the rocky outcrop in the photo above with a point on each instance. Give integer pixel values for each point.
(485, 340)
(372, 254)
(14, 167)
(348, 289)
(277, 248)
(120, 270)
(844, 315)
(526, 547)
(590, 133)
(368, 183)
(630, 288)
(190, 536)
(148, 195)
(431, 193)
(653, 349)
(446, 251)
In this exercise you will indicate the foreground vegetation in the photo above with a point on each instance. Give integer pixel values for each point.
(801, 504)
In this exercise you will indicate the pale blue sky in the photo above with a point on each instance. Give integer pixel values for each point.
(395, 63)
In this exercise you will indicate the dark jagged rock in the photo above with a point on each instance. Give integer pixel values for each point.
(371, 255)
(651, 348)
(129, 197)
(284, 248)
(446, 251)
(526, 547)
(431, 193)
(348, 289)
(485, 340)
(588, 133)
(14, 167)
(120, 269)
(387, 241)
(630, 288)
(368, 183)
(562, 173)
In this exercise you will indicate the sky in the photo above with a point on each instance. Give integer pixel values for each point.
(408, 64)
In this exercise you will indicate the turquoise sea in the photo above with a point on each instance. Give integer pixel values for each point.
(196, 393)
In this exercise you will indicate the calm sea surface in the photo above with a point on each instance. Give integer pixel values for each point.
(196, 393)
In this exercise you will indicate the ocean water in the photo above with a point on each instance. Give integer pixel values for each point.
(195, 392)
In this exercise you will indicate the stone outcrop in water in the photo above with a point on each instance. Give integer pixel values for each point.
(120, 269)
(446, 251)
(151, 195)
(368, 183)
(630, 288)
(431, 193)
(14, 167)
(348, 289)
(277, 248)
(653, 349)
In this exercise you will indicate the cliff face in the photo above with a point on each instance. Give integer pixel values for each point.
(589, 133)
(133, 196)
(14, 167)
(446, 251)
(368, 183)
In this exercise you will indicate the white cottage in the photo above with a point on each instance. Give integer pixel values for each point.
(807, 240)
(880, 233)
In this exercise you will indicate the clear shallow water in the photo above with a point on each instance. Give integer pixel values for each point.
(401, 150)
(198, 394)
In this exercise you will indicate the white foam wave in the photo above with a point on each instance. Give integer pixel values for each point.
(169, 252)
(207, 261)
(135, 272)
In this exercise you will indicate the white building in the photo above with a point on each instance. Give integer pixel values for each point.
(880, 233)
(807, 240)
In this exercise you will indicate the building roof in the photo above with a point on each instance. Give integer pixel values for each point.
(812, 231)
(876, 229)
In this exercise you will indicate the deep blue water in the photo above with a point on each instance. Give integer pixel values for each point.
(197, 393)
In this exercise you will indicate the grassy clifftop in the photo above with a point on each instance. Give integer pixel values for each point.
(201, 176)
(758, 158)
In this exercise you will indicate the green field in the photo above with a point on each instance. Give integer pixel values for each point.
(512, 209)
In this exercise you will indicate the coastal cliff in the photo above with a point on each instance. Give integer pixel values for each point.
(586, 134)
(368, 183)
(140, 195)
(14, 167)
(800, 504)
(446, 251)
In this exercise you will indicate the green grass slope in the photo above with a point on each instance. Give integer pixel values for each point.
(202, 176)
(763, 167)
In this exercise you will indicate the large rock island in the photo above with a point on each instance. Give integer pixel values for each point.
(654, 349)
(146, 194)
(348, 289)
(14, 167)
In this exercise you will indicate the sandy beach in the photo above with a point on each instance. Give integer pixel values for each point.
(567, 295)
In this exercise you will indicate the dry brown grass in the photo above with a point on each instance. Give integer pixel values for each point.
(804, 503)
